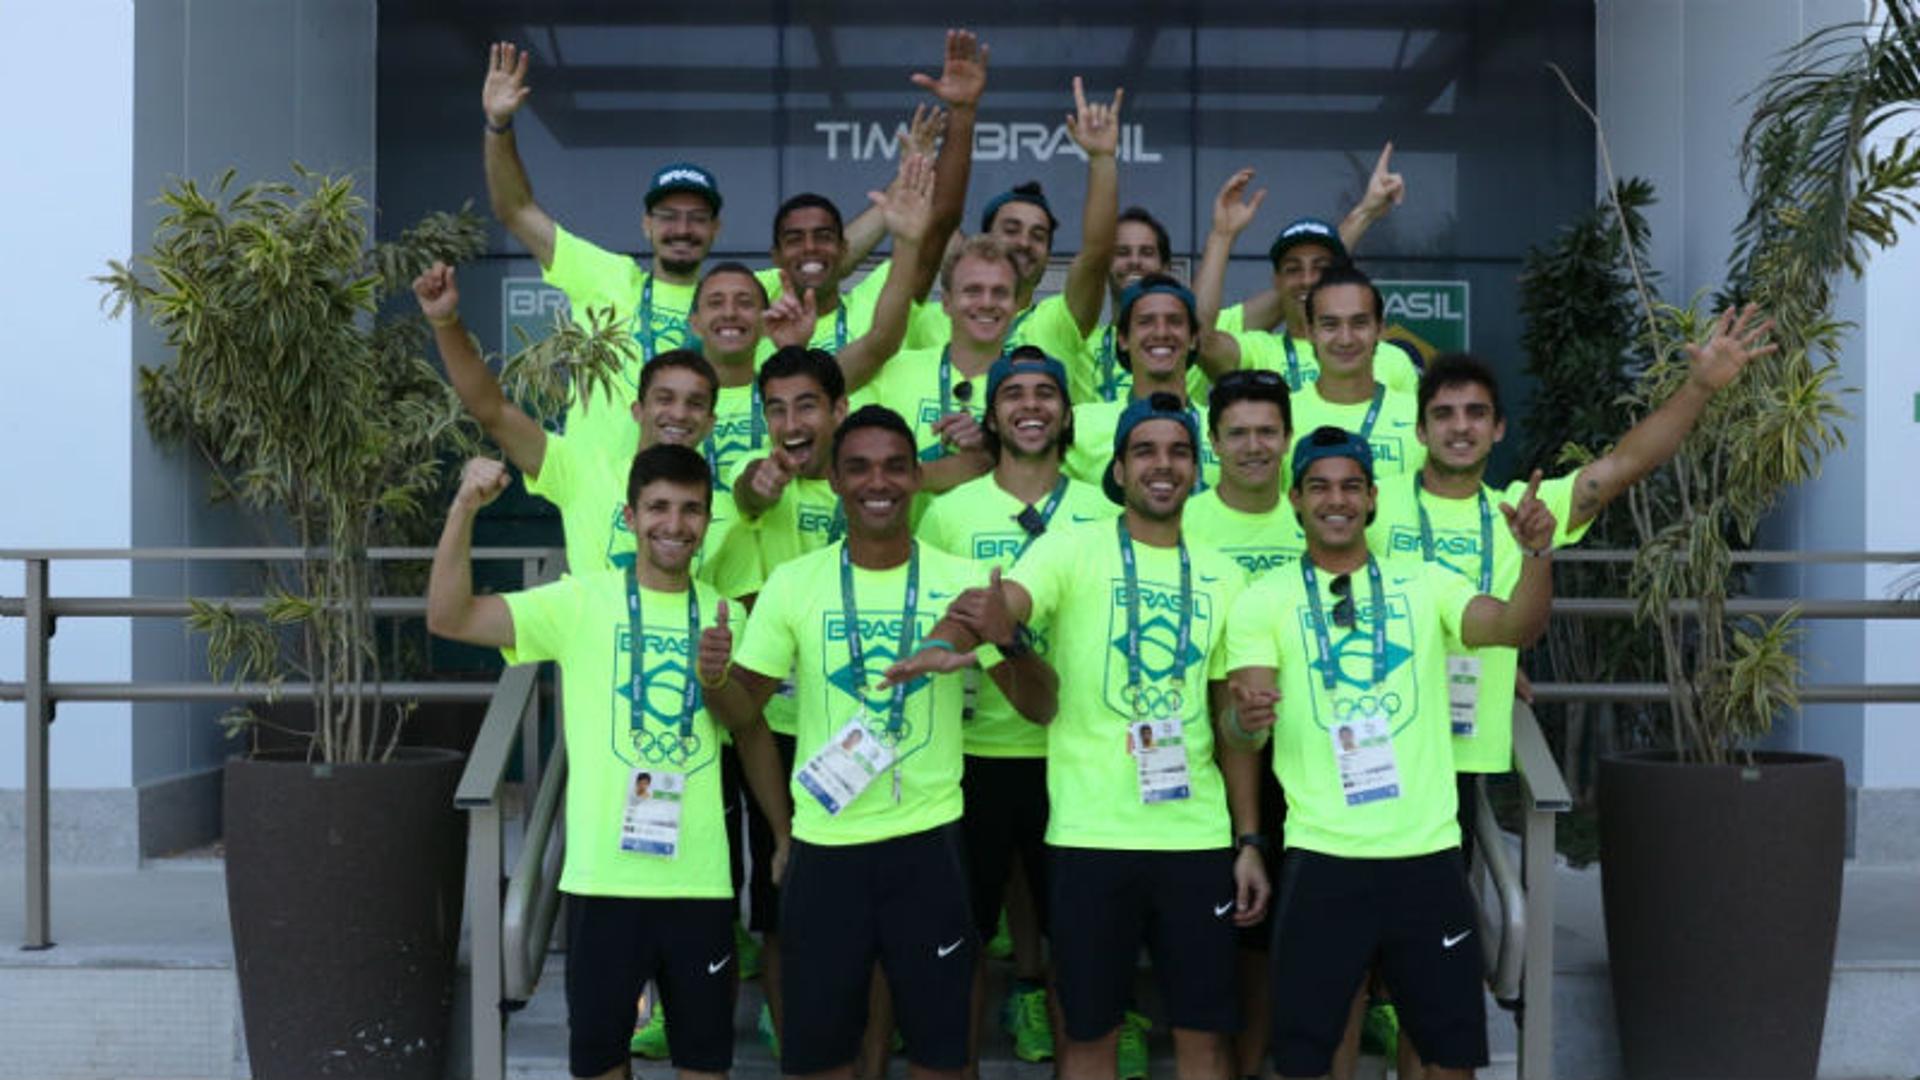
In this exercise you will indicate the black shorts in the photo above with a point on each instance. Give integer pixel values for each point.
(902, 901)
(1106, 904)
(1467, 786)
(761, 898)
(615, 944)
(1006, 820)
(1414, 918)
(1273, 826)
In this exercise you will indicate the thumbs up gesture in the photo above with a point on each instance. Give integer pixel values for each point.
(984, 611)
(715, 652)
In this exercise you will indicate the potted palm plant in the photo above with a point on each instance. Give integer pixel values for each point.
(1721, 864)
(326, 423)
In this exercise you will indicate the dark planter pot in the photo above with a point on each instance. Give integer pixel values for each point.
(344, 888)
(1722, 893)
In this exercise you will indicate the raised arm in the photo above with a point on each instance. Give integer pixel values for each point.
(1233, 211)
(864, 232)
(908, 211)
(508, 189)
(1385, 190)
(1521, 618)
(1095, 129)
(987, 616)
(453, 611)
(1734, 343)
(518, 436)
(963, 77)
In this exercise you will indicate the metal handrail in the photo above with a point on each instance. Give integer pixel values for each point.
(1502, 940)
(533, 893)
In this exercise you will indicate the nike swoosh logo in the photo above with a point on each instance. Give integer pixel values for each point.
(714, 968)
(1207, 580)
(947, 950)
(1222, 909)
(1082, 519)
(1448, 941)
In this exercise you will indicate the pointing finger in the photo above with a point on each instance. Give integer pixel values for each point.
(1533, 487)
(1386, 155)
(1079, 95)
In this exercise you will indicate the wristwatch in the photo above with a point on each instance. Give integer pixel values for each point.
(1254, 840)
(1021, 645)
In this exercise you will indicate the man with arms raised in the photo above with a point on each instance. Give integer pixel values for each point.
(1372, 871)
(647, 879)
(1145, 802)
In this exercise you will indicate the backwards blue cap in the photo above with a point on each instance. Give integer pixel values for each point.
(1026, 360)
(1027, 193)
(1159, 406)
(1331, 442)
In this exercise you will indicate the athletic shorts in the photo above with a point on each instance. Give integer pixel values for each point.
(902, 901)
(1273, 822)
(1106, 904)
(1413, 918)
(760, 897)
(615, 944)
(1006, 820)
(1467, 786)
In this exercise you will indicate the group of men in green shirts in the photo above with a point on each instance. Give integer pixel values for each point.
(1192, 620)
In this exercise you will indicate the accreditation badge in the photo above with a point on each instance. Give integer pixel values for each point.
(1160, 759)
(1463, 693)
(838, 772)
(1363, 752)
(650, 823)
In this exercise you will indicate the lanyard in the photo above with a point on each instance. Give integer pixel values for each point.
(1373, 410)
(690, 693)
(1109, 367)
(856, 654)
(1013, 332)
(1046, 516)
(757, 428)
(1486, 534)
(1136, 673)
(946, 380)
(1293, 360)
(1329, 663)
(840, 325)
(646, 319)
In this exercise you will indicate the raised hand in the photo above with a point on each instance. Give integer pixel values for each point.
(506, 86)
(984, 611)
(716, 650)
(1531, 523)
(481, 481)
(772, 475)
(963, 76)
(1733, 344)
(1385, 189)
(1233, 208)
(438, 294)
(907, 205)
(790, 320)
(923, 131)
(1095, 128)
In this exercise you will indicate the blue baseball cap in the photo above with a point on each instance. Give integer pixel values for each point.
(1159, 406)
(1307, 231)
(683, 176)
(1026, 360)
(1028, 192)
(1330, 442)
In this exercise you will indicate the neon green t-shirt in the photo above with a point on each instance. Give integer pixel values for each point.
(1258, 542)
(1048, 324)
(1095, 373)
(978, 521)
(1267, 351)
(1092, 449)
(655, 319)
(1397, 451)
(807, 518)
(592, 496)
(1456, 530)
(909, 384)
(799, 624)
(1272, 626)
(854, 317)
(582, 622)
(1076, 579)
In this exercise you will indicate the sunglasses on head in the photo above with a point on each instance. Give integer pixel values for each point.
(1342, 589)
(1249, 377)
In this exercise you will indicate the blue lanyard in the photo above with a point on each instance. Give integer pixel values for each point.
(1293, 360)
(1136, 673)
(856, 654)
(1486, 534)
(1329, 663)
(646, 319)
(1373, 409)
(840, 325)
(1013, 331)
(636, 651)
(1109, 367)
(1046, 517)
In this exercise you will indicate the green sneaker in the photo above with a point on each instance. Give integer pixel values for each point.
(1032, 1028)
(1131, 1055)
(767, 1032)
(1380, 1031)
(747, 948)
(1000, 945)
(650, 1039)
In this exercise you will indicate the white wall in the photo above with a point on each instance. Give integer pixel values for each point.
(67, 398)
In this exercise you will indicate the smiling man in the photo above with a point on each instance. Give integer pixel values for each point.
(1372, 866)
(1346, 312)
(876, 869)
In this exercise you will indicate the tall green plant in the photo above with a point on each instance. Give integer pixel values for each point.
(1821, 199)
(310, 411)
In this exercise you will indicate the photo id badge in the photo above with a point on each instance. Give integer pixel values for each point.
(842, 769)
(650, 824)
(1160, 759)
(1363, 751)
(1463, 692)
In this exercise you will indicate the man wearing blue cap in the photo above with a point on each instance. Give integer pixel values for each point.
(1303, 251)
(1156, 344)
(994, 520)
(1372, 871)
(1145, 803)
